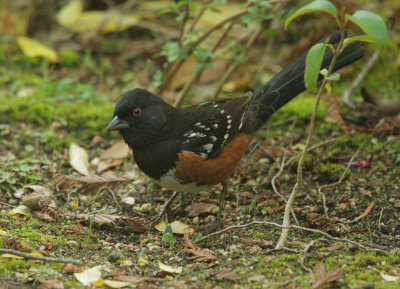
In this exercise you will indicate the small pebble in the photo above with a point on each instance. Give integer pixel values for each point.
(114, 256)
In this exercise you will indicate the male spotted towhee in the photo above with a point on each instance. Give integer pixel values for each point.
(190, 149)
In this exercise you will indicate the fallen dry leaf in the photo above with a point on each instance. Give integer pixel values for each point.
(33, 48)
(135, 279)
(169, 269)
(321, 279)
(117, 284)
(51, 284)
(366, 212)
(79, 159)
(90, 183)
(317, 220)
(70, 13)
(197, 209)
(11, 256)
(389, 278)
(71, 268)
(102, 165)
(89, 276)
(35, 199)
(199, 254)
(226, 274)
(176, 226)
(20, 211)
(120, 150)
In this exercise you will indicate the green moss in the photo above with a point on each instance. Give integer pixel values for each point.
(302, 106)
(10, 265)
(330, 170)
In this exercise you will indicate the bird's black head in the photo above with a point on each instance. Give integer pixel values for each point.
(140, 117)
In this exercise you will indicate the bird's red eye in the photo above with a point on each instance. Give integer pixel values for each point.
(137, 111)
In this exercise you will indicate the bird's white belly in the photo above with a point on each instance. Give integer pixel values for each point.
(170, 182)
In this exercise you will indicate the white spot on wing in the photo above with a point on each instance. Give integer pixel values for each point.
(196, 134)
(203, 155)
(215, 125)
(213, 138)
(208, 147)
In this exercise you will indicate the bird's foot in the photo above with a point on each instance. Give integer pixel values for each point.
(162, 213)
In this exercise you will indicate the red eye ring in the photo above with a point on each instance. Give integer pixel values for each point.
(137, 111)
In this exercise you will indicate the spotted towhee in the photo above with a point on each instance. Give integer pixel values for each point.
(193, 148)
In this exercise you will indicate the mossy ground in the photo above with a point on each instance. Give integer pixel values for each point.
(44, 108)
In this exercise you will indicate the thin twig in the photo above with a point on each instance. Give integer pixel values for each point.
(220, 24)
(182, 29)
(282, 166)
(105, 188)
(304, 257)
(296, 228)
(196, 75)
(335, 184)
(380, 218)
(7, 204)
(172, 68)
(235, 64)
(196, 19)
(360, 77)
(39, 258)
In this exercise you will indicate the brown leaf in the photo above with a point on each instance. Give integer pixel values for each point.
(71, 268)
(14, 243)
(76, 229)
(199, 208)
(120, 150)
(135, 279)
(199, 254)
(90, 183)
(226, 274)
(102, 165)
(47, 244)
(51, 284)
(334, 112)
(316, 220)
(320, 278)
(37, 197)
(366, 212)
(138, 224)
(259, 243)
(334, 248)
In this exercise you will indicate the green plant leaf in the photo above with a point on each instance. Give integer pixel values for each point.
(315, 6)
(196, 237)
(372, 24)
(363, 38)
(334, 77)
(313, 65)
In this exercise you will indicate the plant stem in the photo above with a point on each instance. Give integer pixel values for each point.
(299, 181)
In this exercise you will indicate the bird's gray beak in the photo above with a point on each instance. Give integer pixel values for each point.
(117, 124)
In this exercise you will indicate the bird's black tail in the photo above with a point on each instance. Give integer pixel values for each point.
(288, 83)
